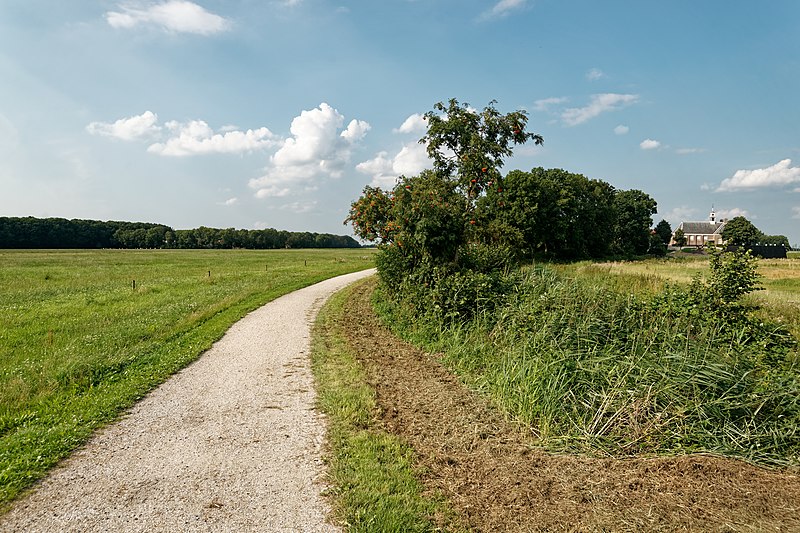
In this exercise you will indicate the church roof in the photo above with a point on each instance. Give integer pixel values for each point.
(702, 228)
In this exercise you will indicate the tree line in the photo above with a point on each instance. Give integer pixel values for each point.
(30, 232)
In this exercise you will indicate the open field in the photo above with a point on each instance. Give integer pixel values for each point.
(779, 277)
(78, 343)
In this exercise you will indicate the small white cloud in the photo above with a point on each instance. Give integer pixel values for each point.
(680, 214)
(595, 74)
(356, 130)
(230, 201)
(415, 123)
(649, 144)
(599, 103)
(545, 103)
(778, 175)
(300, 207)
(409, 161)
(272, 191)
(180, 16)
(503, 8)
(734, 212)
(128, 129)
(686, 151)
(196, 137)
(621, 130)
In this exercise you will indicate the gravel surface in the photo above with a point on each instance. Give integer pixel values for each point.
(230, 443)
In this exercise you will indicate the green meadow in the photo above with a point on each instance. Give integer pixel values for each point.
(84, 334)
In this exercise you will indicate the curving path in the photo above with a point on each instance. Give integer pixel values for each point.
(230, 443)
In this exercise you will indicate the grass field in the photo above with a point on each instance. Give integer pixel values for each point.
(83, 334)
(780, 278)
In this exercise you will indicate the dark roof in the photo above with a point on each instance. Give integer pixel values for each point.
(702, 228)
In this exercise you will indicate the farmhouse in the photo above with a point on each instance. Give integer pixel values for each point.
(702, 233)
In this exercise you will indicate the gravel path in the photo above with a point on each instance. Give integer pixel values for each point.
(231, 443)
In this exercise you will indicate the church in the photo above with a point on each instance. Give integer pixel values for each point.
(701, 233)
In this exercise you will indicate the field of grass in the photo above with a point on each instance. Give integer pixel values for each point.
(780, 278)
(84, 334)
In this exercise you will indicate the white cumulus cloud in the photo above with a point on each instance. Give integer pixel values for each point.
(621, 130)
(129, 128)
(598, 104)
(409, 161)
(356, 130)
(179, 16)
(196, 137)
(415, 123)
(778, 175)
(649, 144)
(316, 149)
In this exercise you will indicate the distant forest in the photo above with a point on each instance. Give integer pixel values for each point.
(30, 232)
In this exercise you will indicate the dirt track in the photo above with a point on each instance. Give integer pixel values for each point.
(231, 443)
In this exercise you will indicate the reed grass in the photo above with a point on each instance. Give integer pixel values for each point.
(596, 362)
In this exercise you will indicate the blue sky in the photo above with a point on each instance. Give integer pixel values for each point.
(276, 113)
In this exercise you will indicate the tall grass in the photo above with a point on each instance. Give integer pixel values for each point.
(593, 364)
(78, 343)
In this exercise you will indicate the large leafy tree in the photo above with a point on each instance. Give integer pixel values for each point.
(428, 218)
(739, 231)
(634, 212)
(469, 146)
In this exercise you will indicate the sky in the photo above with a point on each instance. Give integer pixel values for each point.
(276, 113)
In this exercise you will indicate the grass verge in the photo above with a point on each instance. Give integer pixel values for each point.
(372, 472)
(79, 344)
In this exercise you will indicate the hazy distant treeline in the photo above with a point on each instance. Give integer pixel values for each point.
(29, 232)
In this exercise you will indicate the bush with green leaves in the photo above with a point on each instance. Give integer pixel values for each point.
(434, 249)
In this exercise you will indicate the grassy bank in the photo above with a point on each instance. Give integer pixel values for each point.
(374, 486)
(83, 334)
(598, 362)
